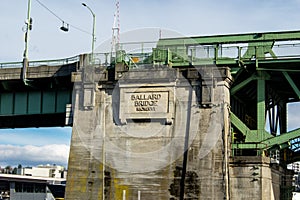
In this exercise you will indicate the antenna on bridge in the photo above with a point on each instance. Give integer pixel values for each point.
(116, 29)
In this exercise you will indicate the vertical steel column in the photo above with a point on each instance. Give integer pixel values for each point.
(283, 117)
(261, 105)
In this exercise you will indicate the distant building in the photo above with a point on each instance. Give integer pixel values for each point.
(52, 171)
(296, 178)
(296, 196)
(18, 187)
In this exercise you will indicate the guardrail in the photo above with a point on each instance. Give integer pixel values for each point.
(56, 62)
(142, 52)
(281, 50)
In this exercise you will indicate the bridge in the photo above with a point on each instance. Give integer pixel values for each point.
(217, 105)
(41, 99)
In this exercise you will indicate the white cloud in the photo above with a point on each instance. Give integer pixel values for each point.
(34, 155)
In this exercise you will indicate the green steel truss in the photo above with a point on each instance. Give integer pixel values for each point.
(265, 69)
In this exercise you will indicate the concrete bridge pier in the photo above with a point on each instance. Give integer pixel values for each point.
(152, 134)
(160, 133)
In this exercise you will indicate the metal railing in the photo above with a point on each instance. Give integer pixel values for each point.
(139, 52)
(281, 51)
(56, 62)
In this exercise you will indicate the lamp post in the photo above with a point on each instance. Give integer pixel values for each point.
(93, 34)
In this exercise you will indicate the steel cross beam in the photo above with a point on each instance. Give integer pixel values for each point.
(231, 39)
(292, 83)
(270, 142)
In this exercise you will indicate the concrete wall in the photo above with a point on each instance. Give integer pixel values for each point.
(140, 150)
(254, 177)
(162, 133)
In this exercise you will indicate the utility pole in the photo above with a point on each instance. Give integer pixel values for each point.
(28, 28)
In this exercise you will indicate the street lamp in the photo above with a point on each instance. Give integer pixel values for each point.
(93, 35)
(27, 29)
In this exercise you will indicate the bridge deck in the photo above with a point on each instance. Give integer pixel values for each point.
(265, 68)
(38, 101)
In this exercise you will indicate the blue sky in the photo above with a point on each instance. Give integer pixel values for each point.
(34, 146)
(47, 41)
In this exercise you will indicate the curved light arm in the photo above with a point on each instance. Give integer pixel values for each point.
(93, 35)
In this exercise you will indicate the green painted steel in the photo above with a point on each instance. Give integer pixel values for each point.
(241, 126)
(292, 83)
(7, 106)
(48, 104)
(242, 84)
(34, 102)
(62, 99)
(250, 136)
(232, 39)
(282, 139)
(255, 146)
(242, 49)
(261, 104)
(20, 99)
(255, 49)
(259, 50)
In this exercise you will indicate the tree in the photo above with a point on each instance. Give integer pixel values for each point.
(8, 169)
(15, 171)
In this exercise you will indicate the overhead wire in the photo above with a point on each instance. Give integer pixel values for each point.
(75, 27)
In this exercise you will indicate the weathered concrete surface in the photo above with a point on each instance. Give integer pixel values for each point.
(140, 150)
(159, 134)
(254, 177)
(43, 71)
